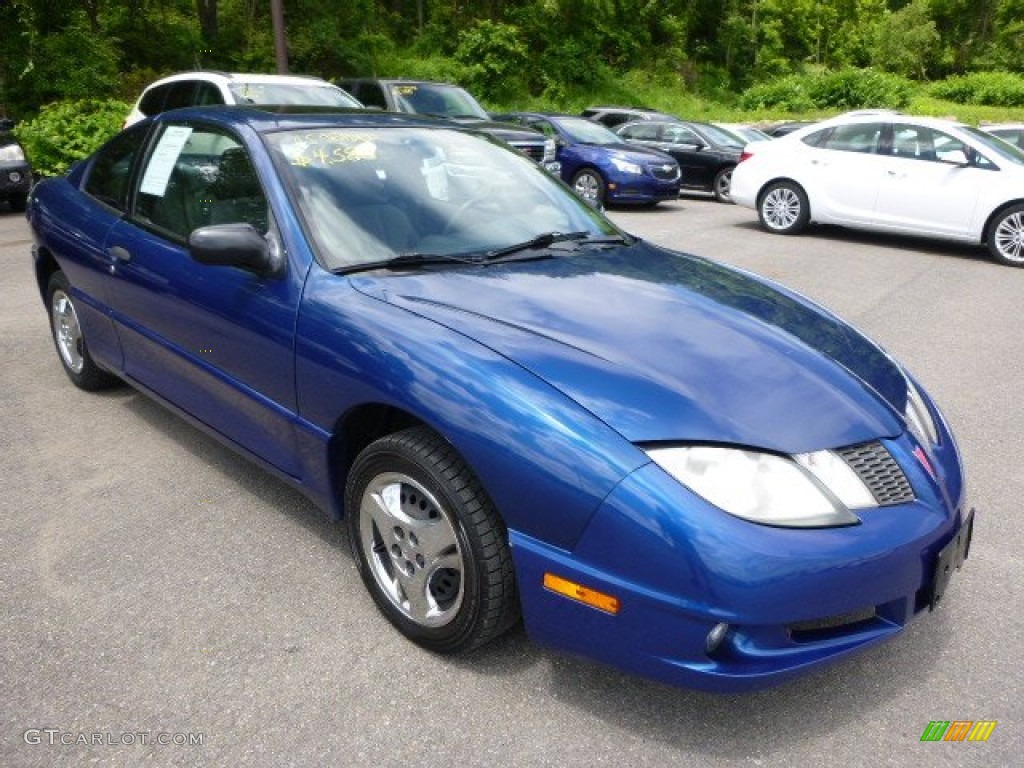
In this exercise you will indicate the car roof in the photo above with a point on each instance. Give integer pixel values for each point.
(265, 119)
(238, 77)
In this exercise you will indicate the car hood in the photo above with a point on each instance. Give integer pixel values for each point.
(634, 153)
(663, 347)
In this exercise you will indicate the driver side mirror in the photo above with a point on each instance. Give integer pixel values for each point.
(233, 245)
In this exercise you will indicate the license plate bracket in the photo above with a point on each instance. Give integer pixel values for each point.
(951, 558)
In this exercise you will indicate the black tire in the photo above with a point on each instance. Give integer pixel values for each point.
(783, 208)
(720, 186)
(18, 203)
(431, 548)
(72, 349)
(589, 185)
(1005, 236)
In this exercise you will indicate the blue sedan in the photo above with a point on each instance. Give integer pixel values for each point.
(520, 411)
(601, 166)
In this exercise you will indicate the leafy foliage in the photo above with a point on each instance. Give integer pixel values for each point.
(997, 89)
(844, 89)
(68, 131)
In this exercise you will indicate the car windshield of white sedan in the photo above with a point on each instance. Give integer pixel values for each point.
(1004, 150)
(368, 195)
(582, 131)
(302, 94)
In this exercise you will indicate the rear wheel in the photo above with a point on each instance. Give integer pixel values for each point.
(69, 340)
(430, 547)
(1006, 237)
(723, 180)
(783, 208)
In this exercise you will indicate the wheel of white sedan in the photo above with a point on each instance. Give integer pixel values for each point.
(783, 208)
(722, 183)
(72, 349)
(1006, 237)
(429, 544)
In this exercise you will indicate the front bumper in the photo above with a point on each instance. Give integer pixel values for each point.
(793, 600)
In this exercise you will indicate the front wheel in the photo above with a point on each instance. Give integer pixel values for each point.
(429, 544)
(589, 185)
(1006, 237)
(722, 183)
(69, 340)
(783, 208)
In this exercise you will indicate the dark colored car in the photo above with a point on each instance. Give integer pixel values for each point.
(15, 171)
(706, 155)
(421, 97)
(600, 166)
(612, 117)
(784, 129)
(656, 460)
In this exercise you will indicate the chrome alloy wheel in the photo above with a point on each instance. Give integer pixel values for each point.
(781, 208)
(1009, 238)
(67, 331)
(412, 549)
(588, 186)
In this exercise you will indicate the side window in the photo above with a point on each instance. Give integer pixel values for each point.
(372, 95)
(680, 134)
(208, 93)
(858, 137)
(914, 141)
(641, 132)
(108, 177)
(546, 128)
(153, 100)
(182, 94)
(613, 119)
(196, 177)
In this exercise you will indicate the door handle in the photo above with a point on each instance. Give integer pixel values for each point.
(119, 254)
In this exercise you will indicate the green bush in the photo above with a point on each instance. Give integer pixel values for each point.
(65, 132)
(788, 94)
(841, 89)
(994, 89)
(495, 58)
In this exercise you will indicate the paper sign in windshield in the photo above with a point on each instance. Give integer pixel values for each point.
(161, 164)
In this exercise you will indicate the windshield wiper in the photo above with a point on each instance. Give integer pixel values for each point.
(546, 240)
(406, 261)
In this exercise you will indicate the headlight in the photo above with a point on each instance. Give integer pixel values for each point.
(626, 167)
(919, 418)
(12, 154)
(810, 490)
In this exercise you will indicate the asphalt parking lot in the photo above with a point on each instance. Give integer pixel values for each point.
(156, 585)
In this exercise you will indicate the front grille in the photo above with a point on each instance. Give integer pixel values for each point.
(533, 151)
(879, 471)
(665, 172)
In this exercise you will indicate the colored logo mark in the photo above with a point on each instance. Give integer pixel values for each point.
(958, 730)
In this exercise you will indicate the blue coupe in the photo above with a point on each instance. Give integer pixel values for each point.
(520, 411)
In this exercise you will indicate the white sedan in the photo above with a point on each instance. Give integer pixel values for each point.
(890, 173)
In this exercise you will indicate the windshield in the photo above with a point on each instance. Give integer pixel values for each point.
(304, 94)
(372, 194)
(435, 99)
(721, 137)
(581, 131)
(1005, 150)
